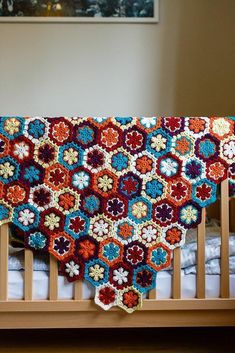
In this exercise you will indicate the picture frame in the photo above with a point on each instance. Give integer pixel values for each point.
(74, 19)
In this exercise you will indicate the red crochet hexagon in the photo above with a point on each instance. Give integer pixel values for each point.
(60, 131)
(56, 177)
(179, 191)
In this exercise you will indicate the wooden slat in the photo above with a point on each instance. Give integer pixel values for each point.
(176, 293)
(4, 242)
(28, 274)
(78, 290)
(224, 278)
(201, 233)
(152, 294)
(232, 212)
(53, 291)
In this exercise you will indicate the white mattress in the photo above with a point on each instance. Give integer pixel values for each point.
(65, 289)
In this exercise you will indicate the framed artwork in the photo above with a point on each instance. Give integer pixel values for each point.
(79, 11)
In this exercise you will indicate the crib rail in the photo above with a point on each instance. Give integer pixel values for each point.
(199, 304)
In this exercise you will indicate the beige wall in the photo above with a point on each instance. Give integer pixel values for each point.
(185, 65)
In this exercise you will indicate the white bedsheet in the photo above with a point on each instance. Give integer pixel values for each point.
(65, 289)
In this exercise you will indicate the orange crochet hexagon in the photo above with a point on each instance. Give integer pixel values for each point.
(111, 251)
(110, 137)
(178, 191)
(105, 183)
(61, 245)
(159, 256)
(67, 200)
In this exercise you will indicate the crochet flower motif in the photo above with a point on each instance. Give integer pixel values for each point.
(112, 197)
(72, 269)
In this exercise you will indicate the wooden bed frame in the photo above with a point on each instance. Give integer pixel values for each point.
(80, 313)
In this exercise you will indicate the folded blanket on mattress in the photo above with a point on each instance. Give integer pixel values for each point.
(212, 267)
(212, 251)
(16, 261)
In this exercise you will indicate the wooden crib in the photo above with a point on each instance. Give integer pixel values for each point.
(80, 313)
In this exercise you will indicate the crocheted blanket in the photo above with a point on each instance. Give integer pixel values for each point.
(111, 198)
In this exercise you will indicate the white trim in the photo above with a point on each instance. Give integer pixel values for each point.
(25, 19)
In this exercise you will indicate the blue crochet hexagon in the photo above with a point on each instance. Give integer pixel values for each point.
(162, 151)
(193, 169)
(210, 195)
(105, 273)
(36, 128)
(20, 127)
(119, 161)
(123, 120)
(76, 234)
(15, 171)
(30, 225)
(85, 135)
(4, 212)
(189, 215)
(154, 188)
(37, 240)
(65, 147)
(111, 251)
(136, 281)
